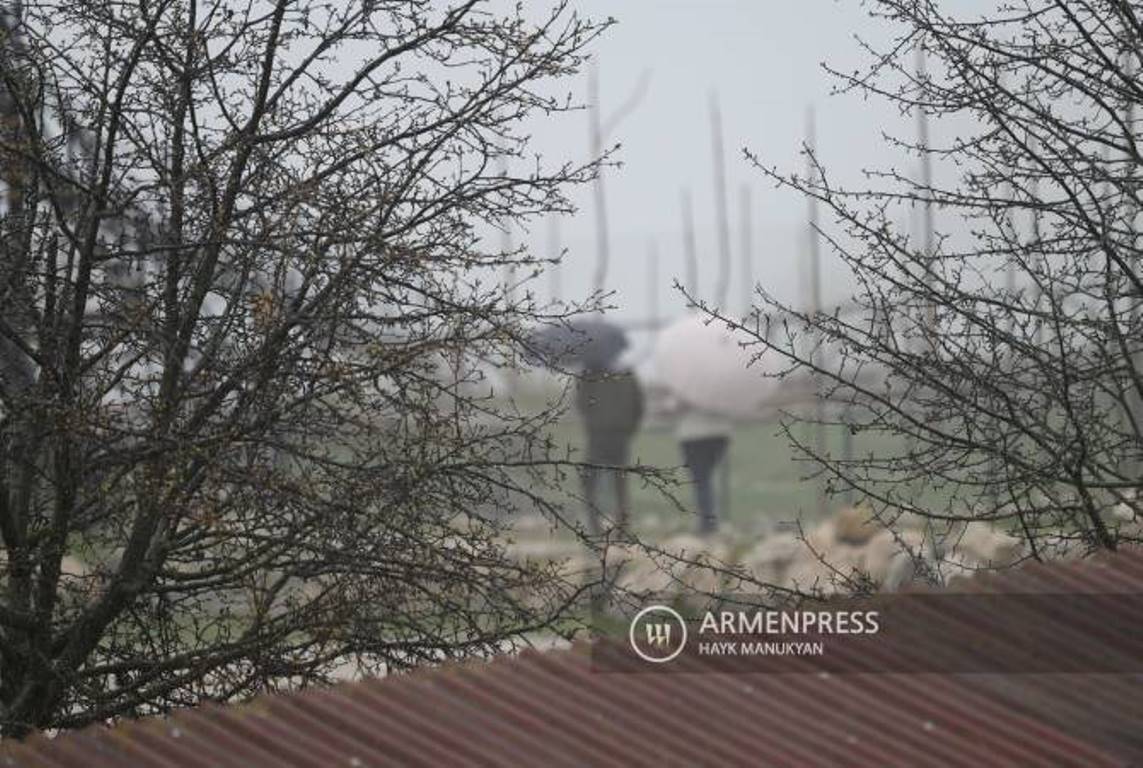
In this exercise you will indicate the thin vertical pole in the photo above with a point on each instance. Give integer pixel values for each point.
(1010, 233)
(555, 253)
(724, 507)
(506, 243)
(1038, 248)
(722, 223)
(815, 286)
(746, 221)
(815, 303)
(602, 236)
(929, 244)
(689, 250)
(509, 282)
(457, 355)
(653, 282)
(1135, 399)
(997, 465)
(928, 234)
(1040, 262)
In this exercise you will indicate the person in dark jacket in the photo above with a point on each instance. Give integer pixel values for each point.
(704, 437)
(611, 406)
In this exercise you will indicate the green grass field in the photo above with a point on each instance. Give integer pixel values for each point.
(767, 484)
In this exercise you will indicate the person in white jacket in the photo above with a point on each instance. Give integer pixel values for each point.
(704, 437)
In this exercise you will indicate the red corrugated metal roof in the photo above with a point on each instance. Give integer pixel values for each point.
(553, 709)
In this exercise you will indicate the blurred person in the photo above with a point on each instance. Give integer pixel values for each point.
(703, 436)
(610, 402)
(709, 371)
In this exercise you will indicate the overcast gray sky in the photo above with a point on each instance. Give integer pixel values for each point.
(762, 58)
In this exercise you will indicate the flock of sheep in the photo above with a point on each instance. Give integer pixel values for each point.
(847, 552)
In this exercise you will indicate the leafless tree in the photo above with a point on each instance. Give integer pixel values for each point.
(243, 437)
(997, 368)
